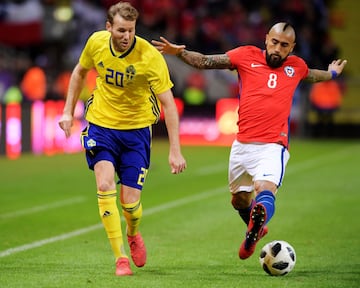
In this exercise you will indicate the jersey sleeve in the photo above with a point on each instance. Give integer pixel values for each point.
(305, 68)
(158, 74)
(236, 54)
(86, 60)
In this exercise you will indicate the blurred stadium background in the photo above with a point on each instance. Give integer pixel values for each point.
(41, 40)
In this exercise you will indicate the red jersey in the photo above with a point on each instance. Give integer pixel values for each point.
(265, 94)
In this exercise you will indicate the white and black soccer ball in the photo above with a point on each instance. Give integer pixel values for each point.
(277, 258)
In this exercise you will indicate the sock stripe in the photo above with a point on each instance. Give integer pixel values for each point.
(267, 199)
(130, 208)
(106, 194)
(133, 214)
(264, 202)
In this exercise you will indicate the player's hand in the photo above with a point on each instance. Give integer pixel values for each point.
(337, 66)
(177, 163)
(166, 47)
(65, 123)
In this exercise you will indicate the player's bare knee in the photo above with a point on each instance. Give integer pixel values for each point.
(106, 186)
(260, 186)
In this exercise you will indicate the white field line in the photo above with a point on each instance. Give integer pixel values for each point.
(322, 160)
(78, 232)
(204, 171)
(290, 169)
(311, 163)
(41, 208)
(207, 170)
(43, 242)
(303, 166)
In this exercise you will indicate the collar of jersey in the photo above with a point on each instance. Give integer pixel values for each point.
(127, 51)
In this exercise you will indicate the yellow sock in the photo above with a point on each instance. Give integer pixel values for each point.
(110, 217)
(132, 213)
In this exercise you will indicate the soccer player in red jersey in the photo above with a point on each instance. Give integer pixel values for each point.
(258, 157)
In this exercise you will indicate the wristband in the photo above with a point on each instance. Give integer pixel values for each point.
(334, 74)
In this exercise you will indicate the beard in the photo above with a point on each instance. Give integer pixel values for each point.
(274, 61)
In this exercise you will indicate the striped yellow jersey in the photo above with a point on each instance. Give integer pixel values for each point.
(127, 83)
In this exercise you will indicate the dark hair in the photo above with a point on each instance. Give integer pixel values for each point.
(286, 26)
(124, 9)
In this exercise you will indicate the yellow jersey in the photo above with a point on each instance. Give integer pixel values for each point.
(127, 83)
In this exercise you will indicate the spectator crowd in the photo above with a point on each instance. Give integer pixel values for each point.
(49, 34)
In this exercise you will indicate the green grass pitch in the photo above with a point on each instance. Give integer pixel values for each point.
(50, 232)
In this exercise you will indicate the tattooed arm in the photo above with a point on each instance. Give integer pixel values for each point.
(335, 68)
(195, 59)
(201, 61)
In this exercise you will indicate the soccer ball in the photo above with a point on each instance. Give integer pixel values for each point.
(277, 258)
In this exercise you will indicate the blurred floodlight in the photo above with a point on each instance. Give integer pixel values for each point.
(63, 13)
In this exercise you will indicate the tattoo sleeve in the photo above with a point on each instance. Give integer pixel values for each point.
(201, 61)
(316, 75)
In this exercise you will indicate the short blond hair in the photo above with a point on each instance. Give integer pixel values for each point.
(124, 9)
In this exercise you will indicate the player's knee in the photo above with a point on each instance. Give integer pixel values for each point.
(241, 200)
(106, 186)
(260, 186)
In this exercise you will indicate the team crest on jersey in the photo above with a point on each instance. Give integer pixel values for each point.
(130, 72)
(289, 71)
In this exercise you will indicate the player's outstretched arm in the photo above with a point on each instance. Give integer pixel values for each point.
(192, 58)
(335, 69)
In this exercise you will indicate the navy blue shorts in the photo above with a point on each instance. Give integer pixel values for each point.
(128, 150)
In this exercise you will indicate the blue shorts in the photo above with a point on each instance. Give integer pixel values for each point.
(128, 150)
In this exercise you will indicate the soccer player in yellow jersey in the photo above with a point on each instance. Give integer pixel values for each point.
(133, 83)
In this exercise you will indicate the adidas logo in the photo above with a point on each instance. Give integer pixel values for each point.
(106, 214)
(100, 64)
